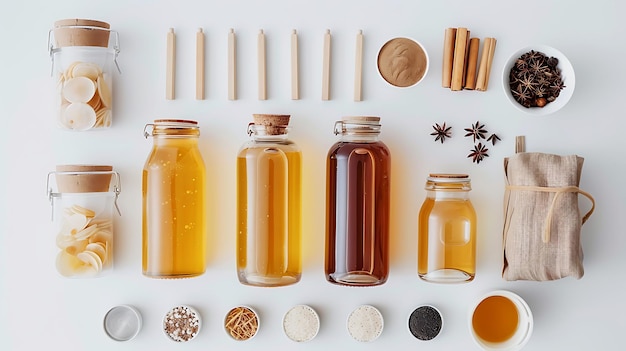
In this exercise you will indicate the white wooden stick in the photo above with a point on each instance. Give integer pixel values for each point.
(295, 84)
(170, 69)
(199, 65)
(261, 65)
(358, 67)
(326, 67)
(232, 65)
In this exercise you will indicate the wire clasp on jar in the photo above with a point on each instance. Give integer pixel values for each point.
(116, 46)
(115, 186)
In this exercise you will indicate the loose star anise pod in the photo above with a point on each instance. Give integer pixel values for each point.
(442, 132)
(477, 131)
(493, 139)
(478, 153)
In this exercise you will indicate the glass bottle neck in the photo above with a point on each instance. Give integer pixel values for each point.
(455, 186)
(262, 133)
(349, 131)
(177, 129)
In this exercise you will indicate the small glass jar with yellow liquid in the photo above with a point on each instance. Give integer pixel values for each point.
(174, 209)
(447, 231)
(269, 205)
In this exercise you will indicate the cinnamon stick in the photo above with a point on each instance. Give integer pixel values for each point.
(492, 49)
(472, 61)
(458, 63)
(486, 59)
(448, 56)
(482, 69)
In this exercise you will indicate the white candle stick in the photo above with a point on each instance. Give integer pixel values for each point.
(170, 69)
(358, 67)
(200, 65)
(261, 65)
(326, 67)
(232, 65)
(295, 84)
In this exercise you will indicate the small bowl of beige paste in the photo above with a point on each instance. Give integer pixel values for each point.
(402, 62)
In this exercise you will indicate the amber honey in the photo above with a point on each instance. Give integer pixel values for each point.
(495, 319)
(174, 229)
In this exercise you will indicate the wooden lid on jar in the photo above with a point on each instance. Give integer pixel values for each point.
(81, 32)
(83, 178)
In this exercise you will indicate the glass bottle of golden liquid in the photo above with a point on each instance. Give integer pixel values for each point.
(447, 231)
(174, 209)
(357, 204)
(269, 205)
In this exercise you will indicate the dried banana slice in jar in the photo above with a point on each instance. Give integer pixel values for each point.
(68, 265)
(85, 242)
(86, 69)
(78, 116)
(104, 91)
(91, 258)
(84, 83)
(79, 89)
(83, 211)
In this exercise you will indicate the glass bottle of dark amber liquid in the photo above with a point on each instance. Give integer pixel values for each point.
(357, 204)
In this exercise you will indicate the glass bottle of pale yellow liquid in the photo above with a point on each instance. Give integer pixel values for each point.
(174, 210)
(357, 204)
(269, 205)
(447, 231)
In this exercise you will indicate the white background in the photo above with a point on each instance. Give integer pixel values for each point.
(41, 310)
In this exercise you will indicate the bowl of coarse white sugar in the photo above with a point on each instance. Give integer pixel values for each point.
(365, 323)
(301, 323)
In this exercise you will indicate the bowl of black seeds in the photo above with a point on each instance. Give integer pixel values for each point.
(538, 80)
(425, 322)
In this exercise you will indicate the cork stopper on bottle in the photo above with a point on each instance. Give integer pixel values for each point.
(274, 124)
(81, 32)
(81, 179)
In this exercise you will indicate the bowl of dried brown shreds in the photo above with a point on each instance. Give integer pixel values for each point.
(538, 79)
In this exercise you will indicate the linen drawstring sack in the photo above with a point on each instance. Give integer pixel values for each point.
(542, 221)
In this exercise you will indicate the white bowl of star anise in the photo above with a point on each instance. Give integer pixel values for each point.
(538, 80)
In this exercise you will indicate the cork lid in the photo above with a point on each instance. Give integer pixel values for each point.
(274, 124)
(82, 179)
(81, 32)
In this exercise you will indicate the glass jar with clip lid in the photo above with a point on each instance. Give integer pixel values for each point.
(83, 199)
(83, 53)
